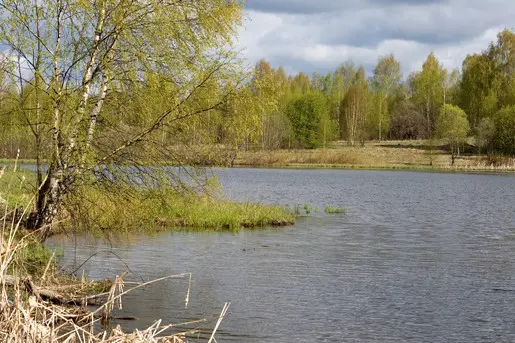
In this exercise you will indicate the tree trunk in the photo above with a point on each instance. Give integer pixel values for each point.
(380, 115)
(453, 155)
(50, 197)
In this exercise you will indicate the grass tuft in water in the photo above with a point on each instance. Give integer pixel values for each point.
(335, 210)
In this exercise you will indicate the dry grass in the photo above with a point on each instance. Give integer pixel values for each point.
(373, 155)
(26, 317)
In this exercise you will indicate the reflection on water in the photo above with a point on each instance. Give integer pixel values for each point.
(420, 257)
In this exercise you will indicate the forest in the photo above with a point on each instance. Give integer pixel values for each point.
(268, 109)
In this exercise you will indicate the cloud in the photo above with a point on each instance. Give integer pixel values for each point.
(318, 35)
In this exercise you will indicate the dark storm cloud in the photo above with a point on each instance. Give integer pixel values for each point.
(435, 23)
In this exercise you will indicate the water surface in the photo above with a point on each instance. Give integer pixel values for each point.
(420, 257)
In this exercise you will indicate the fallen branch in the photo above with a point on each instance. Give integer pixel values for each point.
(44, 292)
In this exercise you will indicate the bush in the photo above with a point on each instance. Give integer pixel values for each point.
(452, 123)
(408, 122)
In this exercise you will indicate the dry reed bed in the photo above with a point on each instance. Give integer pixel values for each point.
(372, 156)
(368, 155)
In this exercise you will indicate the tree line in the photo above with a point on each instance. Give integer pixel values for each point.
(272, 110)
(477, 101)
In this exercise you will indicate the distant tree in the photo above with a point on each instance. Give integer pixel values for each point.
(327, 84)
(452, 124)
(485, 132)
(386, 80)
(501, 55)
(504, 137)
(488, 79)
(337, 93)
(266, 87)
(353, 109)
(309, 116)
(478, 93)
(407, 122)
(317, 82)
(279, 131)
(347, 71)
(451, 86)
(427, 89)
(300, 84)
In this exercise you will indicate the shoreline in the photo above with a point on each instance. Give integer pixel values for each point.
(336, 166)
(412, 168)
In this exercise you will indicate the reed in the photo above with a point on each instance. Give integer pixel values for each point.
(26, 317)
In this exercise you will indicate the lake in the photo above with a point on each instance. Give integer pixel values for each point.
(419, 257)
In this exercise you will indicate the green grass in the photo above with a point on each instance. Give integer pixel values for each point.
(335, 210)
(16, 187)
(125, 208)
(144, 210)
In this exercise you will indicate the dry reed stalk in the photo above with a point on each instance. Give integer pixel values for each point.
(48, 265)
(187, 300)
(222, 316)
(37, 321)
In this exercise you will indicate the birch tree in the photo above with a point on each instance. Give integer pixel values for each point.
(452, 124)
(386, 80)
(76, 54)
(353, 109)
(427, 89)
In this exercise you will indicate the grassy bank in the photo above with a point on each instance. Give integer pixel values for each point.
(386, 155)
(125, 208)
(403, 155)
(141, 210)
(19, 161)
(16, 187)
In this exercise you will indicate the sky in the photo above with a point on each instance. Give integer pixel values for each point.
(318, 35)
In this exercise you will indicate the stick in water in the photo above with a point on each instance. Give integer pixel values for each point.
(222, 315)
